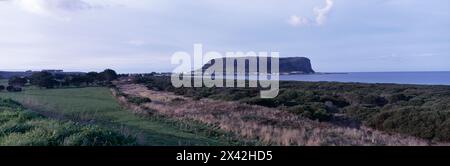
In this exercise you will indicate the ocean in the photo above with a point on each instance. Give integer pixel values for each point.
(420, 78)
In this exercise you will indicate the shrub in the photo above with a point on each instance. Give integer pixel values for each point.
(178, 99)
(13, 89)
(415, 121)
(336, 100)
(397, 98)
(315, 111)
(263, 102)
(359, 112)
(374, 100)
(139, 100)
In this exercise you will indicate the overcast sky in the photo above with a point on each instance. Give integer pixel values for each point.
(141, 35)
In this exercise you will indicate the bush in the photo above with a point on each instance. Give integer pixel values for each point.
(415, 121)
(13, 89)
(2, 88)
(374, 100)
(315, 111)
(336, 100)
(397, 98)
(263, 102)
(139, 100)
(359, 112)
(178, 100)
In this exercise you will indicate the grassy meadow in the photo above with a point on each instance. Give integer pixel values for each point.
(96, 105)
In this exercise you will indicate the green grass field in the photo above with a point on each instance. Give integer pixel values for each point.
(96, 105)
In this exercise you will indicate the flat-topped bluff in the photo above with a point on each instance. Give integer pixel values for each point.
(289, 65)
(296, 65)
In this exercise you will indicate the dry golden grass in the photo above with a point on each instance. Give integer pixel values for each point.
(270, 126)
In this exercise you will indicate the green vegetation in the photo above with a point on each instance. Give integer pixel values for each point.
(139, 100)
(19, 127)
(4, 82)
(422, 111)
(96, 105)
(17, 81)
(49, 80)
(43, 79)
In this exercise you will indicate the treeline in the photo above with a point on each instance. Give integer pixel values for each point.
(49, 80)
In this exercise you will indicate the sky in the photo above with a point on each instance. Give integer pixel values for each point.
(135, 36)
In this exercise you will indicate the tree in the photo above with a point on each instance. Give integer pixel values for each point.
(60, 76)
(108, 75)
(17, 81)
(43, 80)
(92, 77)
(78, 80)
(2, 88)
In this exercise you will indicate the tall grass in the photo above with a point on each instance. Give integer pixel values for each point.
(19, 127)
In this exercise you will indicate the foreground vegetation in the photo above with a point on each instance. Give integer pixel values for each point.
(19, 127)
(422, 111)
(96, 105)
(269, 126)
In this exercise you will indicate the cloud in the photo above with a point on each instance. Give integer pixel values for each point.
(321, 16)
(322, 13)
(298, 21)
(51, 7)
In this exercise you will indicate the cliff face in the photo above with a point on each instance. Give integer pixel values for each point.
(291, 65)
(296, 64)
